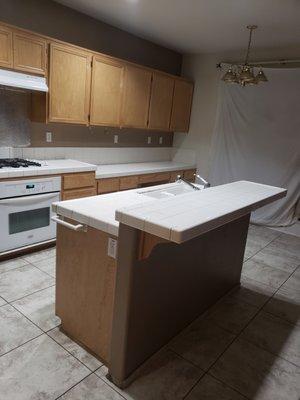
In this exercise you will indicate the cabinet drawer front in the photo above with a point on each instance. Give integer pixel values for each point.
(173, 175)
(80, 180)
(189, 175)
(78, 193)
(128, 182)
(29, 53)
(6, 58)
(108, 185)
(164, 176)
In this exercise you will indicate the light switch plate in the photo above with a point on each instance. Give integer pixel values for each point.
(112, 247)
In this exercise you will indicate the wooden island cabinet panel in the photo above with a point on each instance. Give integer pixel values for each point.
(6, 49)
(182, 103)
(85, 296)
(69, 89)
(106, 92)
(161, 102)
(29, 53)
(136, 97)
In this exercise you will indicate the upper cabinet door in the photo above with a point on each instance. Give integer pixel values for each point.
(107, 79)
(161, 102)
(136, 97)
(6, 52)
(29, 53)
(70, 79)
(181, 109)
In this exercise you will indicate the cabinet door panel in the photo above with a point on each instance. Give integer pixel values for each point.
(181, 109)
(161, 102)
(29, 53)
(136, 97)
(70, 75)
(6, 53)
(106, 92)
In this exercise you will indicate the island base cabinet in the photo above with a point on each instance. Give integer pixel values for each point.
(165, 286)
(85, 277)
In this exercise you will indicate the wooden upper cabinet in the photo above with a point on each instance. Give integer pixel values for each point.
(136, 97)
(6, 51)
(181, 109)
(29, 53)
(106, 94)
(161, 102)
(69, 84)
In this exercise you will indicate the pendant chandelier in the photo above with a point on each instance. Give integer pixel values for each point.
(243, 74)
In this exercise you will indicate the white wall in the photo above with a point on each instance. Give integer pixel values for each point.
(202, 70)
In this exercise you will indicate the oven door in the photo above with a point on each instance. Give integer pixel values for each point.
(26, 220)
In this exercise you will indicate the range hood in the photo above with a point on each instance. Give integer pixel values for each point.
(22, 81)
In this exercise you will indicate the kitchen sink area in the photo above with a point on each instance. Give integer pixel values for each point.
(170, 191)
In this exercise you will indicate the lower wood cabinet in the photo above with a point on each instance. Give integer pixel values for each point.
(129, 182)
(77, 185)
(78, 193)
(109, 185)
(78, 180)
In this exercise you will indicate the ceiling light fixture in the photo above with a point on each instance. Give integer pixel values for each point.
(243, 74)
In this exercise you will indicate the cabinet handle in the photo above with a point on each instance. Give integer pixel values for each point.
(78, 227)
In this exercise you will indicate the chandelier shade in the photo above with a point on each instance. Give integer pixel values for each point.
(243, 74)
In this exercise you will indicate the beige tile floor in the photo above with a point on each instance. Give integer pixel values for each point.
(245, 347)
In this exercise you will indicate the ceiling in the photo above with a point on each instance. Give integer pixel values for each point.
(200, 26)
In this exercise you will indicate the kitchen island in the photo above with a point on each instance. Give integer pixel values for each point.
(135, 267)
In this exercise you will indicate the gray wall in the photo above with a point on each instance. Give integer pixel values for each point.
(52, 19)
(60, 22)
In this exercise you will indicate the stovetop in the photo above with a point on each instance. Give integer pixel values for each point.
(17, 163)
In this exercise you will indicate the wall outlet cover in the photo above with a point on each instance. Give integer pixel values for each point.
(149, 140)
(160, 140)
(48, 137)
(116, 139)
(112, 247)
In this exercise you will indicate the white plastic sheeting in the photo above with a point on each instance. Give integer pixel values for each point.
(14, 121)
(257, 138)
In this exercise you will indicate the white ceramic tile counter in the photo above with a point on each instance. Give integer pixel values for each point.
(177, 218)
(116, 170)
(49, 167)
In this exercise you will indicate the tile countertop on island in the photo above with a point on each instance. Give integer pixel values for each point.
(117, 170)
(178, 218)
(48, 167)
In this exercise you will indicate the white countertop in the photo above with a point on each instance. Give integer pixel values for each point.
(49, 167)
(177, 218)
(116, 170)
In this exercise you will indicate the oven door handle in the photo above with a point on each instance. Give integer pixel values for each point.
(60, 221)
(28, 200)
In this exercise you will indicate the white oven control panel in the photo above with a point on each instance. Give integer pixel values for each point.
(25, 187)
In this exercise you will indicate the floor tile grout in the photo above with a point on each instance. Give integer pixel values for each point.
(249, 322)
(30, 294)
(60, 396)
(69, 351)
